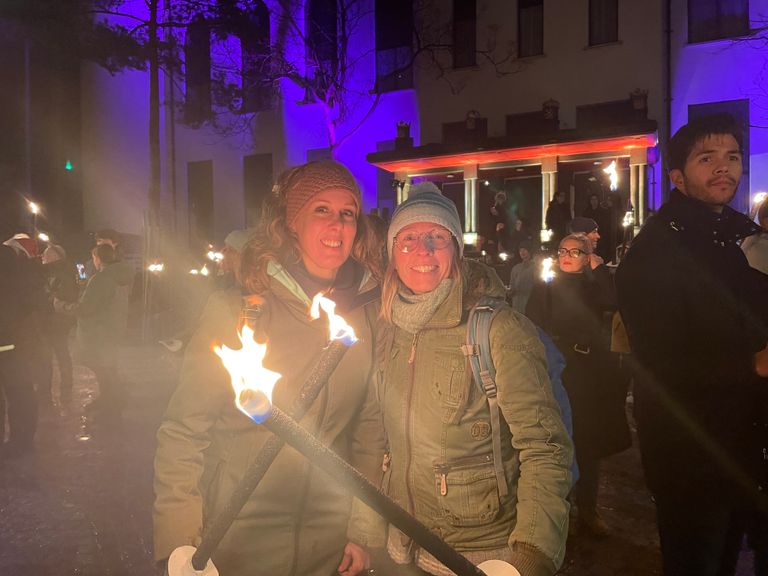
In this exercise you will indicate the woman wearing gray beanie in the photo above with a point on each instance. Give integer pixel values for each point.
(441, 463)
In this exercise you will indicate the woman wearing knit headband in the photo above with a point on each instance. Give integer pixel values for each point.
(312, 238)
(489, 504)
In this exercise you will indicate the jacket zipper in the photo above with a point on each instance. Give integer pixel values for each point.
(409, 398)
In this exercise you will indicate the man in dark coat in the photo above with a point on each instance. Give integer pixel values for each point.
(19, 298)
(695, 315)
(557, 218)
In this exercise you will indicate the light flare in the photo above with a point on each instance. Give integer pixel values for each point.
(252, 383)
(214, 256)
(759, 198)
(629, 219)
(337, 327)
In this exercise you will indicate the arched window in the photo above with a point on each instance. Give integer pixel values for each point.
(197, 68)
(255, 45)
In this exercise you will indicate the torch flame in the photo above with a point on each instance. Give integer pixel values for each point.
(613, 175)
(253, 384)
(547, 273)
(338, 328)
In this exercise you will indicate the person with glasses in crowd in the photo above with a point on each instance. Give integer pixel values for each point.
(570, 309)
(440, 464)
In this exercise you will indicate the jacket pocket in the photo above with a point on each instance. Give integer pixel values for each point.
(466, 490)
(449, 377)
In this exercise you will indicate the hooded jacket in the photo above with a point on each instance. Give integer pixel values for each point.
(296, 520)
(438, 428)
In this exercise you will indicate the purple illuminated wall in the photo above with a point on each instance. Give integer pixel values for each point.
(723, 71)
(116, 128)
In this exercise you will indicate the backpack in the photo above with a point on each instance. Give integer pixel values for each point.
(478, 350)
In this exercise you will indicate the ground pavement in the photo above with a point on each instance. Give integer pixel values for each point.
(81, 503)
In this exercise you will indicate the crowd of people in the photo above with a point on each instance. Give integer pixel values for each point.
(488, 461)
(42, 299)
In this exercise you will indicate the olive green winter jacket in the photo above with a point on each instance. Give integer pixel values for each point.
(295, 522)
(438, 428)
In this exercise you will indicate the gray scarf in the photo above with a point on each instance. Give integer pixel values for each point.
(411, 312)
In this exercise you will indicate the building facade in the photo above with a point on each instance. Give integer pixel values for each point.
(526, 97)
(718, 64)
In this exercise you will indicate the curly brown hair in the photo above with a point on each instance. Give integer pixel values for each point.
(275, 241)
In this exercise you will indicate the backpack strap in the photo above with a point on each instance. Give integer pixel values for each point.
(478, 350)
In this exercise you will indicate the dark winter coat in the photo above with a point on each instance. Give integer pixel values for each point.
(694, 312)
(570, 309)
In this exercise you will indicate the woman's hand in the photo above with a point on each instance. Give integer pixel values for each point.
(355, 560)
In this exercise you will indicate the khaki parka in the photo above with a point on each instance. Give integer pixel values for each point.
(438, 428)
(295, 522)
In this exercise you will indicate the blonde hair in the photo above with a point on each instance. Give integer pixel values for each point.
(585, 244)
(392, 283)
(275, 241)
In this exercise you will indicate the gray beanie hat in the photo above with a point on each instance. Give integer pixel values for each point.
(426, 203)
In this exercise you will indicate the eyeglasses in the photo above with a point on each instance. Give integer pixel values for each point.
(434, 239)
(572, 252)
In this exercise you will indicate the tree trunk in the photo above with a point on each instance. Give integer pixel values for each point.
(154, 115)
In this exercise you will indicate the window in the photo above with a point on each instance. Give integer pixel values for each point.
(322, 36)
(603, 22)
(197, 61)
(394, 48)
(739, 109)
(715, 19)
(464, 33)
(530, 28)
(254, 41)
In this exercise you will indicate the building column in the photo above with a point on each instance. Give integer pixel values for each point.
(471, 202)
(638, 175)
(402, 188)
(548, 190)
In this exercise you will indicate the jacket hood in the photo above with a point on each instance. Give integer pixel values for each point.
(368, 289)
(477, 280)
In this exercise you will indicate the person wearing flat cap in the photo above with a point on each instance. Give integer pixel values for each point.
(312, 238)
(442, 464)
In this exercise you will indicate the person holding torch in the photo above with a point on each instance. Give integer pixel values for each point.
(312, 238)
(442, 465)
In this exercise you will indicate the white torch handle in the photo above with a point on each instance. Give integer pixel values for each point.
(498, 568)
(180, 564)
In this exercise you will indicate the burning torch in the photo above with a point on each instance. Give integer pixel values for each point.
(253, 385)
(342, 336)
(613, 175)
(34, 208)
(547, 270)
